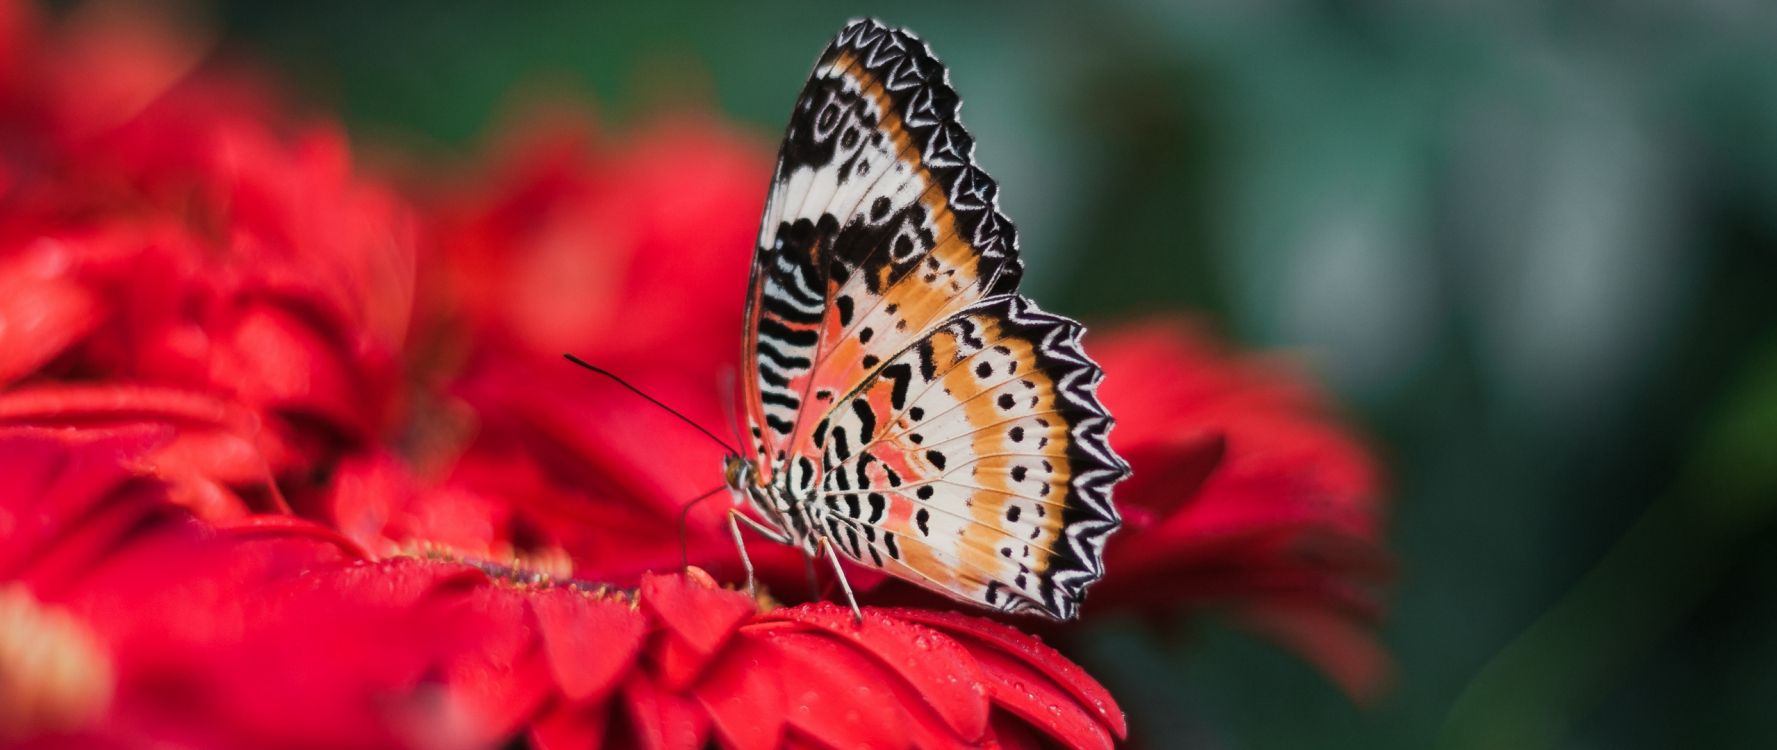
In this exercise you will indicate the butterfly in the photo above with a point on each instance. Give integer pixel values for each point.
(905, 407)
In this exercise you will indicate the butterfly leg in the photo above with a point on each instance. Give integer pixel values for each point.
(735, 519)
(857, 615)
(814, 583)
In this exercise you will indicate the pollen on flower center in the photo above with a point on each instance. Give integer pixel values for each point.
(548, 567)
(54, 674)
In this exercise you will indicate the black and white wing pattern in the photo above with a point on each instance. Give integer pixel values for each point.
(917, 411)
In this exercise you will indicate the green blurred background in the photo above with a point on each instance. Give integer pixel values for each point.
(1531, 247)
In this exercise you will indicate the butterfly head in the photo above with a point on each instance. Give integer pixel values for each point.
(737, 473)
(773, 508)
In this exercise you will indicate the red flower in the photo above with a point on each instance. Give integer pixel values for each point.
(276, 633)
(254, 506)
(617, 251)
(1245, 495)
(155, 231)
(632, 257)
(680, 662)
(141, 625)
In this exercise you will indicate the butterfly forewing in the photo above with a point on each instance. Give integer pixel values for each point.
(933, 423)
(878, 226)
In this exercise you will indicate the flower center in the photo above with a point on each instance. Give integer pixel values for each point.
(546, 568)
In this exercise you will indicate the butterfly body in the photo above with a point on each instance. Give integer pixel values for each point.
(785, 516)
(905, 406)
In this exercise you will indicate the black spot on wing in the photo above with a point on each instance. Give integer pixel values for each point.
(866, 419)
(899, 375)
(843, 305)
(878, 506)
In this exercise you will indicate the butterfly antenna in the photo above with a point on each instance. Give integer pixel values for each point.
(652, 400)
(684, 516)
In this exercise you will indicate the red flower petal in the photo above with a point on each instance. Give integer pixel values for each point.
(699, 617)
(746, 703)
(938, 669)
(288, 527)
(679, 663)
(79, 404)
(1029, 650)
(571, 727)
(662, 720)
(501, 680)
(590, 639)
(1288, 520)
(1179, 467)
(1027, 693)
(42, 311)
(215, 442)
(1011, 734)
(59, 485)
(287, 359)
(840, 697)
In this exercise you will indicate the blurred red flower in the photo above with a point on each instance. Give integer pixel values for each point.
(130, 623)
(633, 255)
(296, 466)
(279, 633)
(1245, 495)
(161, 245)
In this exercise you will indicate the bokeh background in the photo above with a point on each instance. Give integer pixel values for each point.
(1531, 247)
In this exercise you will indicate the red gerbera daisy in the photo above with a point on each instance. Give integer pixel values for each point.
(631, 254)
(167, 256)
(1246, 495)
(280, 633)
(248, 506)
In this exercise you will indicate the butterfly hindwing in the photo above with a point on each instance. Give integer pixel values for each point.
(975, 461)
(878, 226)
